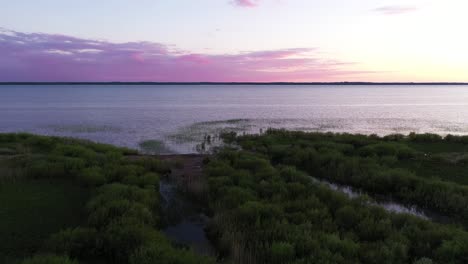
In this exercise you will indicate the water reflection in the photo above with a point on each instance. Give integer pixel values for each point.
(388, 204)
(180, 116)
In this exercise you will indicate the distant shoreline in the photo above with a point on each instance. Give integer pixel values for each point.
(232, 83)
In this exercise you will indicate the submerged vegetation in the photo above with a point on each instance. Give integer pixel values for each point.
(153, 146)
(73, 201)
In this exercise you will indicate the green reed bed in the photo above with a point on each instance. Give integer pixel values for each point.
(75, 201)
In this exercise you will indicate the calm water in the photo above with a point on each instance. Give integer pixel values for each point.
(179, 116)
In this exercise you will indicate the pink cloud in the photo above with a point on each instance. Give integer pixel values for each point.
(246, 3)
(395, 10)
(195, 58)
(46, 57)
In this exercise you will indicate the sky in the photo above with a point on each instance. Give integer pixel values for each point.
(234, 40)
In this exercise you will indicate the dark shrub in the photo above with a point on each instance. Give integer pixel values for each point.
(49, 259)
(92, 176)
(83, 243)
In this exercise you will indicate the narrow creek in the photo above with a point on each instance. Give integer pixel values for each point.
(185, 220)
(386, 203)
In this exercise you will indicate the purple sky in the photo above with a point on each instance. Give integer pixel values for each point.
(45, 57)
(234, 40)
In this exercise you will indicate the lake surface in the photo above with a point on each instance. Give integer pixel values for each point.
(180, 116)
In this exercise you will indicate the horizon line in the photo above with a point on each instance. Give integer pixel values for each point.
(233, 83)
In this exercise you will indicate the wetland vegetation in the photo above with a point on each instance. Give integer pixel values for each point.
(74, 201)
(266, 208)
(259, 199)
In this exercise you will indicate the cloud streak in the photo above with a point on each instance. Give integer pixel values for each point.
(395, 10)
(47, 57)
(245, 3)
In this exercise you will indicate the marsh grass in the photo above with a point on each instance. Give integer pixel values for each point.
(268, 210)
(7, 151)
(8, 175)
(438, 169)
(82, 200)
